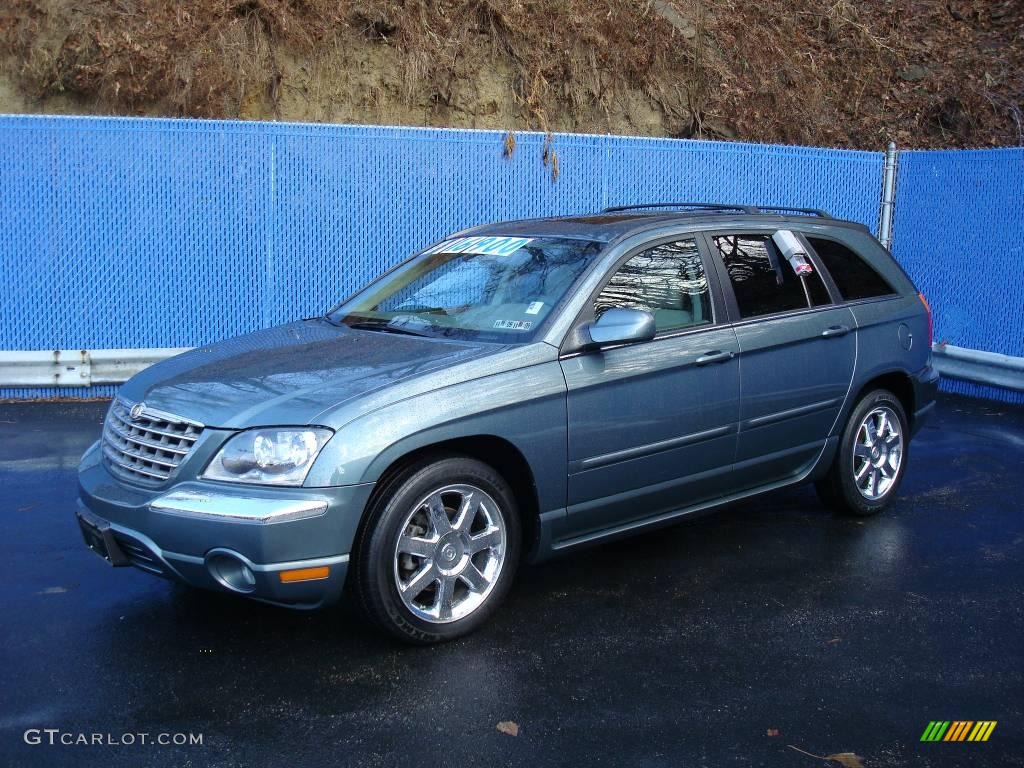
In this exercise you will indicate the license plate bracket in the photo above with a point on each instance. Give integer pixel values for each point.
(100, 539)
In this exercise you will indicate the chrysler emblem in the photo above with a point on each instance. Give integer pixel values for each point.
(136, 411)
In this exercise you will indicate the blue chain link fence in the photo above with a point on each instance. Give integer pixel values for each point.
(121, 232)
(959, 233)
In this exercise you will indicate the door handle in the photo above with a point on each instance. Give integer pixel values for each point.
(709, 358)
(834, 331)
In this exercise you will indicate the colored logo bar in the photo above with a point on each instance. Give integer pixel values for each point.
(958, 730)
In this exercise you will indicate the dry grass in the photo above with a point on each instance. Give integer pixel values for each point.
(203, 58)
(827, 72)
(189, 58)
(840, 73)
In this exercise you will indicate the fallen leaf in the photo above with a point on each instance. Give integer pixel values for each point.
(846, 759)
(508, 728)
(510, 144)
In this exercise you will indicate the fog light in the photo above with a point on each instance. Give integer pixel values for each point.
(230, 570)
(305, 574)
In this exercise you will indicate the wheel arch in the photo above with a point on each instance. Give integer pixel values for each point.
(498, 452)
(898, 382)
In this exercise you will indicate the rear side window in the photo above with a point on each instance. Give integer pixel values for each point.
(763, 281)
(853, 276)
(667, 280)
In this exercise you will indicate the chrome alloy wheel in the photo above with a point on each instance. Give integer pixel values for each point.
(877, 454)
(449, 553)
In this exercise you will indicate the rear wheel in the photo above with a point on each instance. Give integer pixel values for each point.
(439, 550)
(871, 459)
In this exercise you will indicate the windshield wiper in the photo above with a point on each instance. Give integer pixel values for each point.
(370, 325)
(423, 309)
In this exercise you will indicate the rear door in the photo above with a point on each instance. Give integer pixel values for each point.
(652, 425)
(797, 355)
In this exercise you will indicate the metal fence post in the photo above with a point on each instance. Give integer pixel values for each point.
(888, 196)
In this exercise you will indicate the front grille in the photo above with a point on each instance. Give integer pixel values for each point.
(148, 447)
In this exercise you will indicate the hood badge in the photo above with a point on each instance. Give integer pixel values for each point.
(136, 411)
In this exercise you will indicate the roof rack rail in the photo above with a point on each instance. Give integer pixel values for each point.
(706, 206)
(753, 209)
(783, 208)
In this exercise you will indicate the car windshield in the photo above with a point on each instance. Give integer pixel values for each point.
(482, 288)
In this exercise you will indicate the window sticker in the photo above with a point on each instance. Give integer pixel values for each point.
(794, 252)
(800, 264)
(513, 325)
(535, 308)
(483, 246)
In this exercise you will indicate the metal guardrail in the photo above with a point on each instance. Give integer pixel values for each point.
(77, 368)
(85, 368)
(989, 368)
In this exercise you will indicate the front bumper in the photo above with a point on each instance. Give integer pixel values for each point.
(201, 533)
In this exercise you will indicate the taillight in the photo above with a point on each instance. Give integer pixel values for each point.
(929, 311)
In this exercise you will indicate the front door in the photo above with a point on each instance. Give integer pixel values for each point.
(652, 426)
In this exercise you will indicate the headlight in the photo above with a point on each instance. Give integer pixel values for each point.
(268, 456)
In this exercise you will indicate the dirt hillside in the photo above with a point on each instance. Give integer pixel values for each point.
(825, 72)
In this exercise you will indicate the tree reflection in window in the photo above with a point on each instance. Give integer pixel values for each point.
(668, 281)
(764, 283)
(541, 271)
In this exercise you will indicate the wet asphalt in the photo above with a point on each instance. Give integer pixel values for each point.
(721, 641)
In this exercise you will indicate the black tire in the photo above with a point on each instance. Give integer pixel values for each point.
(377, 574)
(838, 489)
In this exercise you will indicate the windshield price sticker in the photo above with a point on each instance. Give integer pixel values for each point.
(483, 246)
(514, 325)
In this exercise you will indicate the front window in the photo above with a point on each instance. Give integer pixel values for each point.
(483, 288)
(667, 280)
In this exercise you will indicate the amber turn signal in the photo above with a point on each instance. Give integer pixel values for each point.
(931, 327)
(305, 574)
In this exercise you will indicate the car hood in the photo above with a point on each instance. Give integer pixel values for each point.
(290, 374)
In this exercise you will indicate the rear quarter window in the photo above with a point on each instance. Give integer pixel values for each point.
(853, 276)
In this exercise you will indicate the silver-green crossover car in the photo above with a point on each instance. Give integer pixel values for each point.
(513, 392)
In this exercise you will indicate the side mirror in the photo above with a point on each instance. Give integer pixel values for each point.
(621, 326)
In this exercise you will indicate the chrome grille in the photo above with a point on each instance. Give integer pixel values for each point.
(149, 447)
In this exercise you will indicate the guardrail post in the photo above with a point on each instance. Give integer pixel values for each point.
(888, 196)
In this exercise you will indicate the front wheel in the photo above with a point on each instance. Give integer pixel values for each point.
(439, 550)
(871, 458)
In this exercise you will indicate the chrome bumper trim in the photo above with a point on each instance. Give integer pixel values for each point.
(236, 509)
(313, 562)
